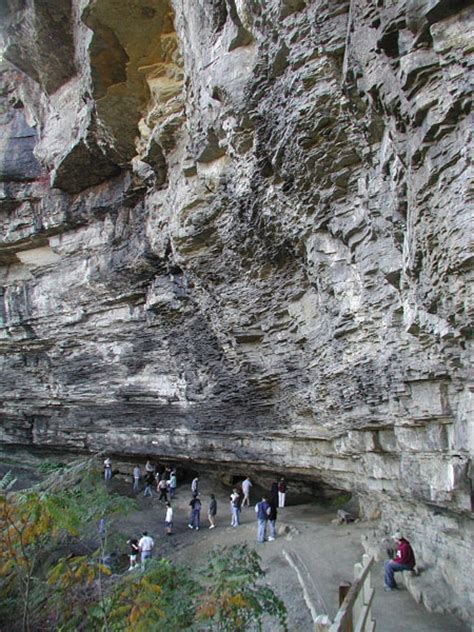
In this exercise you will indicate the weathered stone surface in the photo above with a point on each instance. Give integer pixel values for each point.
(255, 252)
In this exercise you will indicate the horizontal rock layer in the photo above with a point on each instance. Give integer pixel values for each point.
(239, 235)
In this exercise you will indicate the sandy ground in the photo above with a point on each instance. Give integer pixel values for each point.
(325, 554)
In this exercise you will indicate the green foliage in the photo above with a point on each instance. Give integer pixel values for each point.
(235, 599)
(44, 590)
(77, 587)
(47, 466)
(160, 598)
(34, 524)
(7, 481)
(231, 598)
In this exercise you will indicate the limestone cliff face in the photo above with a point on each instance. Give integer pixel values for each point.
(238, 233)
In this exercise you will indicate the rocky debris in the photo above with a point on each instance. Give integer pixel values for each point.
(239, 236)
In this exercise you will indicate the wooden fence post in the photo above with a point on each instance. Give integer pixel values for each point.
(343, 590)
(322, 623)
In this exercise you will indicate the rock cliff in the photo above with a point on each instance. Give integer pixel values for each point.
(237, 233)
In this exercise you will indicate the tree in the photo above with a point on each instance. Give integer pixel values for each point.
(34, 525)
(235, 599)
(160, 598)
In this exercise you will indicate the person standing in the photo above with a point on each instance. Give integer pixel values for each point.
(404, 560)
(146, 544)
(162, 488)
(149, 467)
(281, 492)
(149, 480)
(235, 508)
(274, 490)
(212, 512)
(169, 518)
(246, 485)
(134, 551)
(195, 486)
(107, 469)
(272, 517)
(195, 519)
(262, 509)
(173, 483)
(137, 474)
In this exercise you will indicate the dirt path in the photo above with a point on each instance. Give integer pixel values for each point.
(324, 552)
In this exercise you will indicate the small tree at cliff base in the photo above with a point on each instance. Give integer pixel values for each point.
(35, 525)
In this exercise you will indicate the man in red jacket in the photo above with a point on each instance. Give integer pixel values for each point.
(404, 560)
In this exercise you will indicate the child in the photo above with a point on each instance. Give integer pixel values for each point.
(169, 518)
(134, 551)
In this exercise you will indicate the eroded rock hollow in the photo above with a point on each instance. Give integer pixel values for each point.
(237, 233)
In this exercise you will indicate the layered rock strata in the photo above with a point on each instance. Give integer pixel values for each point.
(238, 235)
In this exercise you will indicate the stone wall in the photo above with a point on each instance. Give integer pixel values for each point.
(237, 234)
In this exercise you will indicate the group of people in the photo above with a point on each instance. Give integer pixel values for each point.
(266, 511)
(196, 506)
(164, 478)
(142, 547)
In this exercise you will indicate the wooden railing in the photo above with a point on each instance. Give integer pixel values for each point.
(354, 614)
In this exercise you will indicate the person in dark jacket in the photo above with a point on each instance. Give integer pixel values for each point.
(195, 518)
(274, 489)
(262, 509)
(149, 480)
(134, 551)
(272, 517)
(212, 511)
(404, 560)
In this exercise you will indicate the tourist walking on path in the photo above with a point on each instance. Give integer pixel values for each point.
(134, 551)
(212, 511)
(195, 519)
(262, 509)
(404, 560)
(149, 467)
(149, 480)
(281, 492)
(169, 518)
(162, 488)
(137, 474)
(195, 486)
(272, 518)
(173, 483)
(146, 544)
(235, 508)
(246, 485)
(107, 469)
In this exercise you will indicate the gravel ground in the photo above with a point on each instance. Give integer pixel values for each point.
(324, 552)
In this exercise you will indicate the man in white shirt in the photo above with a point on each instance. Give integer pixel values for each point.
(146, 544)
(107, 469)
(246, 485)
(235, 508)
(169, 518)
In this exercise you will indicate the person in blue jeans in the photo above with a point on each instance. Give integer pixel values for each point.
(149, 480)
(262, 509)
(235, 508)
(195, 519)
(404, 560)
(107, 469)
(272, 518)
